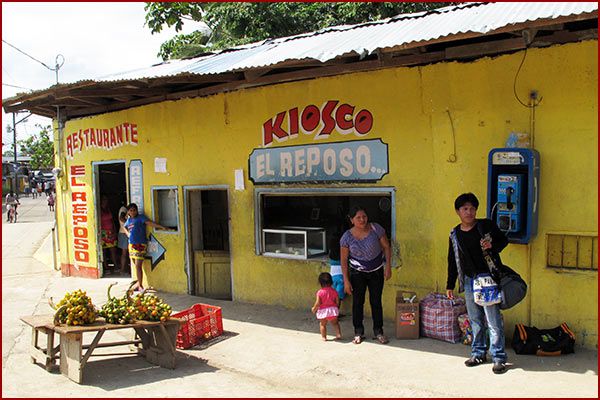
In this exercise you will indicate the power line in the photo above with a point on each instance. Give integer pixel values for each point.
(55, 69)
(15, 86)
(33, 58)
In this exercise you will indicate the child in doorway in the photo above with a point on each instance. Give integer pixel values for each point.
(335, 269)
(326, 306)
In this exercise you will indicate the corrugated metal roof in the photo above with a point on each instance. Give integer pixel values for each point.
(364, 39)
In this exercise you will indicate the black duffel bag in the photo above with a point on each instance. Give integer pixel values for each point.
(543, 342)
(513, 288)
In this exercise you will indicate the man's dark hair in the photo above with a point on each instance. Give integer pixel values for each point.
(464, 199)
(132, 205)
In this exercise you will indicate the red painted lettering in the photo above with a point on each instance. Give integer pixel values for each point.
(69, 146)
(80, 232)
(79, 219)
(81, 244)
(293, 120)
(134, 134)
(77, 170)
(75, 183)
(273, 127)
(341, 113)
(82, 256)
(113, 138)
(310, 119)
(78, 196)
(363, 122)
(328, 120)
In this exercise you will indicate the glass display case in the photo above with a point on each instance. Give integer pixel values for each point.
(294, 242)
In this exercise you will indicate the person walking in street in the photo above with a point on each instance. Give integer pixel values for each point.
(33, 187)
(47, 188)
(136, 225)
(326, 306)
(51, 202)
(12, 202)
(465, 262)
(366, 256)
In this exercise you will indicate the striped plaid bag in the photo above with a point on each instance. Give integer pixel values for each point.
(439, 317)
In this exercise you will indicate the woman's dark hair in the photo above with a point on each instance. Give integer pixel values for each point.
(325, 279)
(334, 247)
(132, 205)
(464, 199)
(356, 209)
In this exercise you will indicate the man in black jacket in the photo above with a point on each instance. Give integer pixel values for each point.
(466, 261)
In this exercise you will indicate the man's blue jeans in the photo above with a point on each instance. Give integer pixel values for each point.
(479, 317)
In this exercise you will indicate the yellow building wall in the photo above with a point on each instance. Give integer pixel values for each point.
(423, 114)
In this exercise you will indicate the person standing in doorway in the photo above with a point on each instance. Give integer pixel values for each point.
(108, 234)
(465, 262)
(123, 239)
(136, 225)
(365, 255)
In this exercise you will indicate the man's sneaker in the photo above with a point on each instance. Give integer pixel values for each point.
(474, 361)
(499, 368)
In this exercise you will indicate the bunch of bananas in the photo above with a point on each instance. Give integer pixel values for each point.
(117, 310)
(74, 309)
(149, 307)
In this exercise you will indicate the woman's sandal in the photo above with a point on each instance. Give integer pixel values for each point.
(357, 339)
(382, 339)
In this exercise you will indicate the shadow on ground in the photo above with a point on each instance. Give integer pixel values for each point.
(583, 361)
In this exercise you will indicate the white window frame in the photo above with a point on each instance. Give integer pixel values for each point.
(154, 189)
(258, 217)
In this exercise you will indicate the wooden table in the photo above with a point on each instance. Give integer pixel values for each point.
(154, 340)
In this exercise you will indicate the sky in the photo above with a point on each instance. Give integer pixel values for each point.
(95, 39)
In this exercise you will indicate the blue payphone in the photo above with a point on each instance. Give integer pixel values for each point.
(512, 201)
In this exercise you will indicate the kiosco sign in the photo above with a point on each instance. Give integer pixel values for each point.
(318, 121)
(360, 160)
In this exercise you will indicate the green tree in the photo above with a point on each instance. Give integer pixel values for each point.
(235, 23)
(40, 147)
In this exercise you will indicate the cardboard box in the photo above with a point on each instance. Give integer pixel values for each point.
(407, 315)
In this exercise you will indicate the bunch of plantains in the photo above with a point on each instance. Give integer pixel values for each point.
(74, 309)
(118, 310)
(149, 307)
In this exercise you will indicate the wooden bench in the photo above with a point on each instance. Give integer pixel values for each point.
(154, 340)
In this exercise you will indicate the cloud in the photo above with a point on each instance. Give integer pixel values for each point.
(96, 39)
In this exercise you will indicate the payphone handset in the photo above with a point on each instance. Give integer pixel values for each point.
(509, 205)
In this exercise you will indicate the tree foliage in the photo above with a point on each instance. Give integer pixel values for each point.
(40, 147)
(235, 23)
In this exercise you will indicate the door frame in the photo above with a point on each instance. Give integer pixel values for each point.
(189, 260)
(96, 189)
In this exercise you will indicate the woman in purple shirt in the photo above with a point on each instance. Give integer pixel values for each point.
(366, 262)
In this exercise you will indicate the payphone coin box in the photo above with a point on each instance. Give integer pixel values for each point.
(512, 197)
(407, 315)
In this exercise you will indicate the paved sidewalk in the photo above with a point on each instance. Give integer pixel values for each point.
(266, 351)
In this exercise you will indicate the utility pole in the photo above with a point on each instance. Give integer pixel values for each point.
(14, 182)
(16, 165)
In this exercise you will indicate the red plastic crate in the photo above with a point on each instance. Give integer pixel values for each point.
(200, 322)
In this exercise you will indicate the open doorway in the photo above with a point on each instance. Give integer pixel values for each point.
(111, 194)
(208, 242)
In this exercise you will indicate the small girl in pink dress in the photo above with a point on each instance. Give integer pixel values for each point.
(327, 306)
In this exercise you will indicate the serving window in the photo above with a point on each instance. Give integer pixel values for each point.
(165, 206)
(306, 223)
